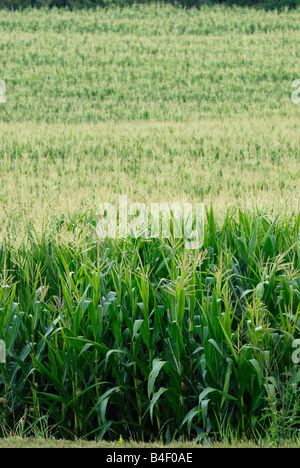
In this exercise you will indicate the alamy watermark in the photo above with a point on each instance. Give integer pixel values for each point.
(296, 93)
(2, 352)
(2, 92)
(296, 353)
(159, 220)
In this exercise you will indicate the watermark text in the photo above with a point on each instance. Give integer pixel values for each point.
(159, 220)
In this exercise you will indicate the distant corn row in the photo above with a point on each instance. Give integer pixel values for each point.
(147, 340)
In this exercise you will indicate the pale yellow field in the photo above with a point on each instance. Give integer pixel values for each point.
(55, 170)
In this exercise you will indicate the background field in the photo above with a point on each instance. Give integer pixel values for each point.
(152, 102)
(139, 339)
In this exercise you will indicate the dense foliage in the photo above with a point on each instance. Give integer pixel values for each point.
(148, 340)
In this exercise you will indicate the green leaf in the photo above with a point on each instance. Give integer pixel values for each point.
(157, 365)
(154, 400)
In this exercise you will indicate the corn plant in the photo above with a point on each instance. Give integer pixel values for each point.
(143, 339)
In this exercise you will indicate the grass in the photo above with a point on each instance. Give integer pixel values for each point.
(21, 442)
(135, 338)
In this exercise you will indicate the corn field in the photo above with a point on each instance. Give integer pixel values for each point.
(146, 340)
(134, 338)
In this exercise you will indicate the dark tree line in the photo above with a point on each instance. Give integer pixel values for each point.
(73, 4)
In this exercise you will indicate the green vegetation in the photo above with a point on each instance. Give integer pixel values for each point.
(142, 338)
(148, 338)
(150, 102)
(148, 63)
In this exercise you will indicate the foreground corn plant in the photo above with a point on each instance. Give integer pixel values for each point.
(146, 340)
